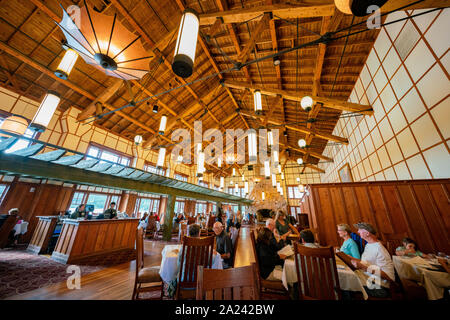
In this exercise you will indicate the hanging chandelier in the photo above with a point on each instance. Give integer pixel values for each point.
(105, 43)
(14, 124)
(358, 8)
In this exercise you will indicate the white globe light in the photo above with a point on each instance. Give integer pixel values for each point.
(307, 103)
(138, 139)
(302, 143)
(300, 161)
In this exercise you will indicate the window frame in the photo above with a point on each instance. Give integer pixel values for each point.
(87, 193)
(148, 163)
(102, 149)
(184, 176)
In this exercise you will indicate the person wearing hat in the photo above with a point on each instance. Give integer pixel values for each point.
(349, 247)
(376, 263)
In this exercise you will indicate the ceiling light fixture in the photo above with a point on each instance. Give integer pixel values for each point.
(257, 102)
(45, 111)
(66, 64)
(307, 103)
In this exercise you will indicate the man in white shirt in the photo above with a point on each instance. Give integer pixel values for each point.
(376, 263)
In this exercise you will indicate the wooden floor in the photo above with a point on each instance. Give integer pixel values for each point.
(116, 283)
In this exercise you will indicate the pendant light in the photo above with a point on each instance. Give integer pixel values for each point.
(236, 188)
(179, 159)
(263, 196)
(243, 178)
(278, 187)
(14, 124)
(300, 161)
(267, 169)
(301, 188)
(302, 143)
(184, 56)
(279, 168)
(45, 111)
(270, 138)
(234, 172)
(281, 190)
(274, 180)
(162, 125)
(252, 146)
(103, 42)
(257, 102)
(219, 162)
(201, 164)
(282, 176)
(246, 187)
(66, 64)
(161, 157)
(138, 140)
(155, 108)
(222, 183)
(307, 103)
(276, 158)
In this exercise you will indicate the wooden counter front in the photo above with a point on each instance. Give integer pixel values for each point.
(42, 234)
(87, 240)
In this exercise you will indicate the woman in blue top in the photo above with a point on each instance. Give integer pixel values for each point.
(349, 247)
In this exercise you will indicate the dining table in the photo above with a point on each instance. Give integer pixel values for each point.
(426, 272)
(348, 279)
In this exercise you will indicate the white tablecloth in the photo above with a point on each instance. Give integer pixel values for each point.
(415, 269)
(169, 263)
(348, 280)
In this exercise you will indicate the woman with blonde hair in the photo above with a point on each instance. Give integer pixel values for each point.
(283, 226)
(349, 247)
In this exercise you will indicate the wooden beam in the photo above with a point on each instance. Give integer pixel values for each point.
(102, 98)
(297, 96)
(280, 11)
(311, 153)
(319, 134)
(256, 34)
(215, 27)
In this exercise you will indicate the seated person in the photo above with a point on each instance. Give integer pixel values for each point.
(111, 212)
(277, 241)
(224, 245)
(283, 226)
(375, 261)
(349, 247)
(143, 221)
(307, 239)
(80, 212)
(176, 221)
(270, 262)
(409, 249)
(230, 220)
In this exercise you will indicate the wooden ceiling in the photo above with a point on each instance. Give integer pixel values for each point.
(30, 50)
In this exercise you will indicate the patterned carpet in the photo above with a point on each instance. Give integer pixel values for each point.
(21, 272)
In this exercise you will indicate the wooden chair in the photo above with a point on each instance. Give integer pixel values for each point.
(196, 252)
(149, 276)
(235, 245)
(182, 231)
(267, 288)
(190, 220)
(316, 273)
(393, 241)
(230, 284)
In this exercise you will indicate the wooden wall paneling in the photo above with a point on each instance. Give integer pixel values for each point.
(70, 232)
(100, 243)
(131, 238)
(119, 234)
(127, 230)
(91, 237)
(78, 245)
(417, 227)
(352, 205)
(441, 198)
(110, 235)
(326, 218)
(379, 210)
(395, 213)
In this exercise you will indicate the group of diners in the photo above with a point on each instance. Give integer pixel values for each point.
(374, 261)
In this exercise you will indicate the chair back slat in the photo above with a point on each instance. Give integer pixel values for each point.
(230, 284)
(139, 249)
(235, 247)
(393, 241)
(196, 252)
(317, 273)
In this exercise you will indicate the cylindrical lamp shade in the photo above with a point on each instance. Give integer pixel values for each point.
(222, 182)
(243, 178)
(357, 7)
(344, 6)
(201, 164)
(263, 196)
(14, 124)
(298, 179)
(252, 147)
(300, 161)
(307, 103)
(274, 180)
(270, 138)
(246, 187)
(282, 176)
(234, 172)
(257, 101)
(236, 188)
(161, 157)
(180, 159)
(267, 169)
(279, 168)
(162, 124)
(301, 188)
(184, 56)
(46, 110)
(219, 162)
(66, 64)
(278, 186)
(302, 143)
(138, 140)
(276, 158)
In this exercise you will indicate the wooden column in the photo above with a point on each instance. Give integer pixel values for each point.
(168, 218)
(123, 201)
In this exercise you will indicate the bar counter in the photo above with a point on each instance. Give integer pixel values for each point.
(87, 241)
